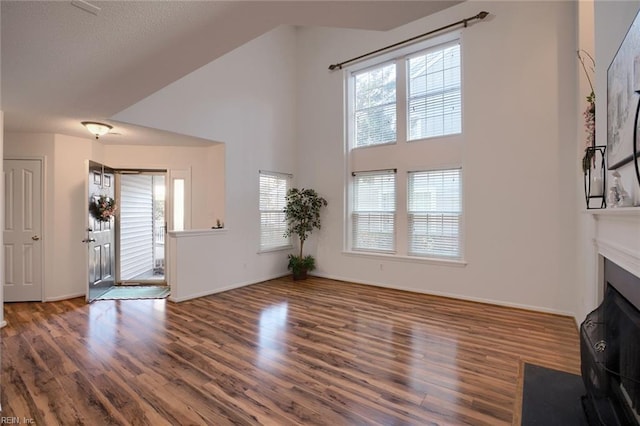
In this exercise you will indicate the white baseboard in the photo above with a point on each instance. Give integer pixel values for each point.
(456, 296)
(65, 297)
(220, 290)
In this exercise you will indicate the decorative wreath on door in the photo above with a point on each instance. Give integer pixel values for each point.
(102, 208)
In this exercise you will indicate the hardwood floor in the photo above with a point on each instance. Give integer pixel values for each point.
(276, 353)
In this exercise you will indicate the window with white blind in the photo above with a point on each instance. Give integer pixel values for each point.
(374, 106)
(404, 115)
(273, 192)
(432, 107)
(434, 213)
(374, 211)
(435, 102)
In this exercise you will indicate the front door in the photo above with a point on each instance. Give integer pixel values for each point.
(23, 230)
(100, 233)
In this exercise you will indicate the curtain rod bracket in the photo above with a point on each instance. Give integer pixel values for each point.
(464, 22)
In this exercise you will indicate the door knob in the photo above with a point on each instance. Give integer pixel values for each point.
(35, 238)
(89, 240)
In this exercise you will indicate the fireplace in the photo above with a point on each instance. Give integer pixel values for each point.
(610, 351)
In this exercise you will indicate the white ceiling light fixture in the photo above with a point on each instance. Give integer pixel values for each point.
(97, 129)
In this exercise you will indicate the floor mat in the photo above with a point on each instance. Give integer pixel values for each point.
(551, 397)
(136, 292)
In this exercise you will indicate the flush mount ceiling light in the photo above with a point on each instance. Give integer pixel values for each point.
(97, 129)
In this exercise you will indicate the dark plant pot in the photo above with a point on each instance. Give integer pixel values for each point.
(300, 275)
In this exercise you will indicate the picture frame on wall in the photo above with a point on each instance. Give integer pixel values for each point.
(623, 99)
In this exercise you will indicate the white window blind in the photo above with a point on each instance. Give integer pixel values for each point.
(434, 213)
(375, 106)
(435, 104)
(374, 211)
(273, 191)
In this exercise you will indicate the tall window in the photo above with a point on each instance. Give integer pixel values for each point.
(399, 111)
(374, 211)
(375, 106)
(432, 81)
(434, 105)
(273, 191)
(434, 213)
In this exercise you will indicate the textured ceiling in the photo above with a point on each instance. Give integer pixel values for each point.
(61, 65)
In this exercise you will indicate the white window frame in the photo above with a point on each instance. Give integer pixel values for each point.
(285, 243)
(356, 214)
(400, 58)
(352, 104)
(407, 58)
(431, 153)
(450, 218)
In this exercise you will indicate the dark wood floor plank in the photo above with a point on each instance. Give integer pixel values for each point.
(277, 353)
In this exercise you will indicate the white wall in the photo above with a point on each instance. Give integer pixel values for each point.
(206, 165)
(68, 211)
(586, 297)
(519, 155)
(246, 100)
(2, 321)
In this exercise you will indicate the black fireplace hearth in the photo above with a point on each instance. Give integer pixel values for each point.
(610, 352)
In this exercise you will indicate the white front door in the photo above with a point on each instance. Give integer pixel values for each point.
(23, 230)
(100, 233)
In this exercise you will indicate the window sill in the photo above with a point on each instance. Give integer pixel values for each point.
(196, 232)
(409, 259)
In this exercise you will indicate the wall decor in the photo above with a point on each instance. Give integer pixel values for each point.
(623, 95)
(595, 178)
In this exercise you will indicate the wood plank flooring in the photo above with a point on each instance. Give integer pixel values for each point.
(276, 353)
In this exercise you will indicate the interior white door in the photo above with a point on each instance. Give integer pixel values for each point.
(23, 230)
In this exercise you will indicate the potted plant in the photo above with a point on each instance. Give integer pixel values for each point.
(302, 213)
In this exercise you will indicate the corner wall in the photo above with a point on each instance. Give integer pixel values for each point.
(2, 201)
(610, 20)
(519, 155)
(245, 99)
(65, 216)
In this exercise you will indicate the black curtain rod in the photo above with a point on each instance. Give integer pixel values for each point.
(464, 22)
(374, 171)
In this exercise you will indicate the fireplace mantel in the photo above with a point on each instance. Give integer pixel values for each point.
(617, 236)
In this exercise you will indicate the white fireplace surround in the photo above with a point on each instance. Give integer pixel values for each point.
(617, 238)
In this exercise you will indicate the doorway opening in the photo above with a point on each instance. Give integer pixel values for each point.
(142, 227)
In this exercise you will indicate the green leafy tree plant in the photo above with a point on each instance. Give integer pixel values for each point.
(302, 213)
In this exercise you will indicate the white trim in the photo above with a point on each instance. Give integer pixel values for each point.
(619, 254)
(171, 176)
(458, 263)
(454, 296)
(227, 288)
(188, 233)
(65, 297)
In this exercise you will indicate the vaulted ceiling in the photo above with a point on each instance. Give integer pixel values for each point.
(62, 64)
